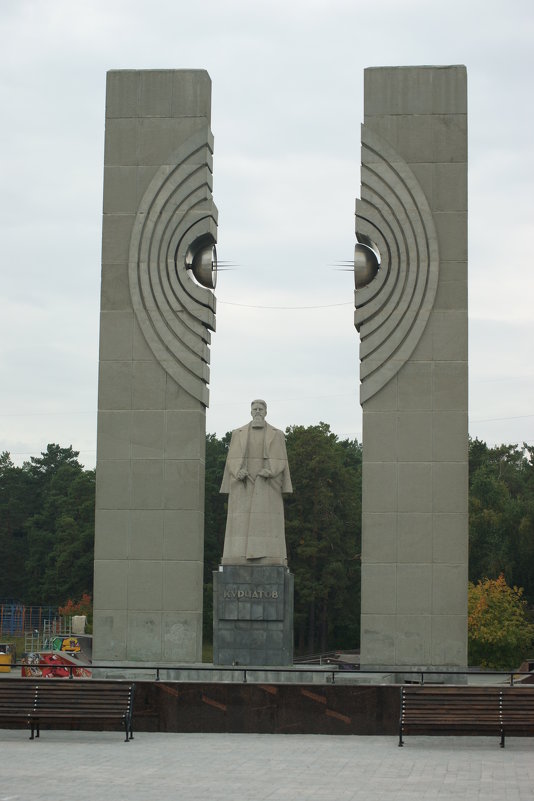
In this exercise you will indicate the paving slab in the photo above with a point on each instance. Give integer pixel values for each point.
(61, 766)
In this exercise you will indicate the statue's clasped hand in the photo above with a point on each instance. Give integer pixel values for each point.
(265, 473)
(242, 475)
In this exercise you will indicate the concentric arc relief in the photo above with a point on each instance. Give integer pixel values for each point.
(176, 219)
(393, 301)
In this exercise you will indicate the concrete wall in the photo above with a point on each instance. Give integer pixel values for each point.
(154, 338)
(412, 320)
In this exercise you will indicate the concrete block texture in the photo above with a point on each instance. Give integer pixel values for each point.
(158, 93)
(415, 90)
(414, 367)
(154, 354)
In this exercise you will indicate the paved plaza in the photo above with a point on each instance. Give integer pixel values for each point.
(62, 766)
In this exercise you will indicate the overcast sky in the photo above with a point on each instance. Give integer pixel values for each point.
(287, 106)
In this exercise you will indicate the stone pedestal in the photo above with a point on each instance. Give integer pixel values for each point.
(252, 615)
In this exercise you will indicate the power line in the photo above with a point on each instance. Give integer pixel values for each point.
(283, 308)
(500, 419)
(279, 400)
(32, 453)
(45, 414)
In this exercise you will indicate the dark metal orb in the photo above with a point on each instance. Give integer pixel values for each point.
(204, 266)
(366, 265)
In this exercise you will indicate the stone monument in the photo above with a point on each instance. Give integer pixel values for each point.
(253, 588)
(411, 313)
(157, 310)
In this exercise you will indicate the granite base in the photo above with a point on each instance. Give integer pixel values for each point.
(252, 615)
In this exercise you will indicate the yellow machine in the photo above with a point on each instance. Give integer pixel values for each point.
(8, 656)
(68, 644)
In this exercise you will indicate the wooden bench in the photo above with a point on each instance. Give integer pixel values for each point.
(464, 710)
(53, 700)
(517, 710)
(17, 699)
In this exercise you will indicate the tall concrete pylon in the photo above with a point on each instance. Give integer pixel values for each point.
(157, 311)
(411, 313)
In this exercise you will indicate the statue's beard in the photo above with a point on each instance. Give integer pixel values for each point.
(258, 421)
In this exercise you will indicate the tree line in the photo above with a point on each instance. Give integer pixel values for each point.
(47, 527)
(47, 518)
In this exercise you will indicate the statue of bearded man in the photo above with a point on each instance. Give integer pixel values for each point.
(255, 476)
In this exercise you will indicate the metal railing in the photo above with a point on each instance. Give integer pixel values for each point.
(247, 672)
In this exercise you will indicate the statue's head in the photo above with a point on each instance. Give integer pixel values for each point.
(258, 410)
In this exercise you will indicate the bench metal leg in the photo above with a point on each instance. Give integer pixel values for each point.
(502, 738)
(128, 730)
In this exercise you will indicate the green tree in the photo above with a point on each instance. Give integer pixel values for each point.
(523, 533)
(17, 500)
(46, 527)
(501, 513)
(489, 542)
(500, 636)
(61, 533)
(215, 506)
(51, 460)
(323, 533)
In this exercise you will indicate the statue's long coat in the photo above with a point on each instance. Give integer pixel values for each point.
(255, 523)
